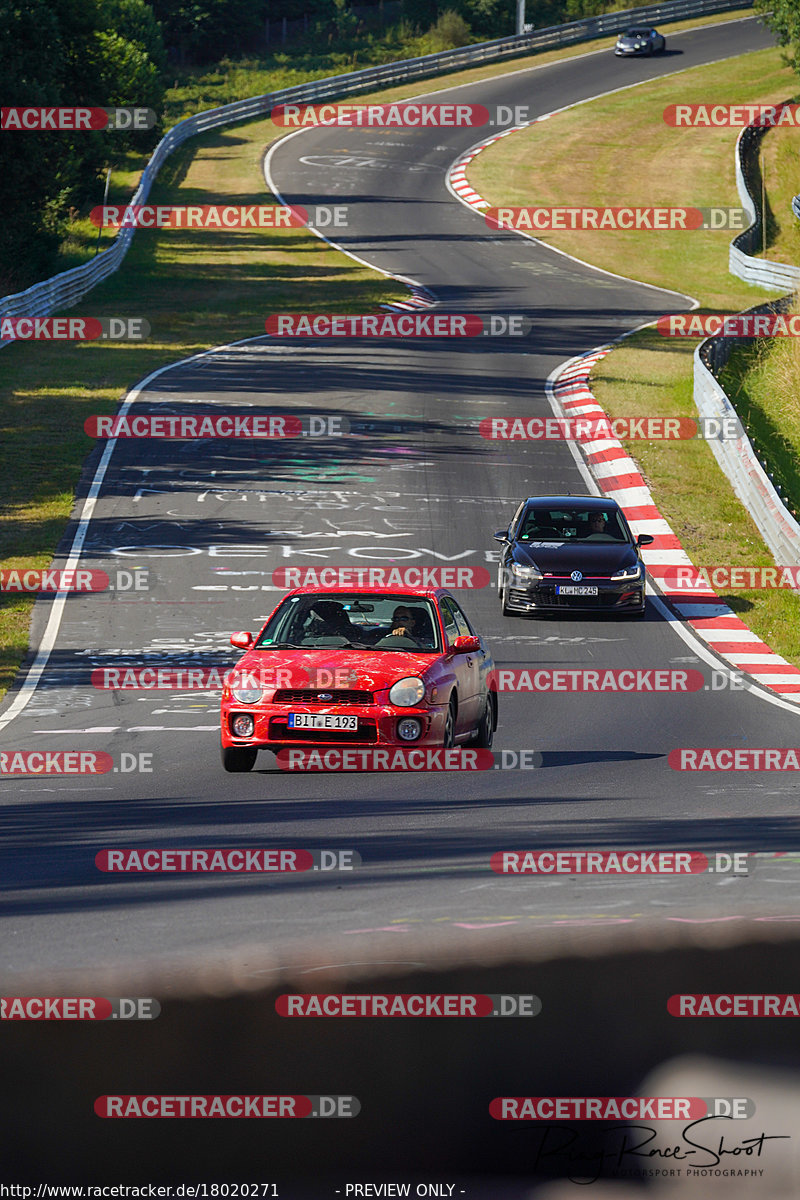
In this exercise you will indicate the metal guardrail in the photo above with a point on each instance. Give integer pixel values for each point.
(741, 261)
(67, 288)
(737, 457)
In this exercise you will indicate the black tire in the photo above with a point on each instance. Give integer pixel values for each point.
(238, 758)
(504, 609)
(488, 723)
(449, 735)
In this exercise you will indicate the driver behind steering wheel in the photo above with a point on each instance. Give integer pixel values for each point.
(404, 623)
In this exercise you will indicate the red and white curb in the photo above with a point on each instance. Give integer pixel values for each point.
(457, 174)
(420, 298)
(619, 478)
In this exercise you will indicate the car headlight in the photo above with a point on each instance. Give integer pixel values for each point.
(520, 572)
(634, 572)
(247, 695)
(407, 692)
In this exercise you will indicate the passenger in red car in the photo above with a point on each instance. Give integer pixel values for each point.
(335, 621)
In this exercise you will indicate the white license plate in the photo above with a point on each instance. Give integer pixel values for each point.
(322, 721)
(568, 589)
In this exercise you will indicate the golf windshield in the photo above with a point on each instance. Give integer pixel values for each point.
(572, 525)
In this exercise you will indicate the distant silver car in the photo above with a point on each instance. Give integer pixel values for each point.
(640, 41)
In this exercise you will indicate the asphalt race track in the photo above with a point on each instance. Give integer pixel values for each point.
(413, 482)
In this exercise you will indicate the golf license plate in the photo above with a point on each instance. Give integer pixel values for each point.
(322, 721)
(574, 589)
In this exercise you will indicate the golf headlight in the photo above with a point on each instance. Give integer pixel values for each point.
(247, 695)
(520, 572)
(634, 572)
(407, 692)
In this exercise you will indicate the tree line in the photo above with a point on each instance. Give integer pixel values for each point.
(103, 53)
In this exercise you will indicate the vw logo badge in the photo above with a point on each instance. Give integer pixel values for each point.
(324, 696)
(577, 576)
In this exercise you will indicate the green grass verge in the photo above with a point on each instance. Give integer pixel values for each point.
(762, 381)
(619, 151)
(779, 158)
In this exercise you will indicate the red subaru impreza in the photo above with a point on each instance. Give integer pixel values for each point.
(360, 667)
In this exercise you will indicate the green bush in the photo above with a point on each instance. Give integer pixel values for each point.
(449, 32)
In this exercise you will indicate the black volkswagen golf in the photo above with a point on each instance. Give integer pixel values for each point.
(570, 552)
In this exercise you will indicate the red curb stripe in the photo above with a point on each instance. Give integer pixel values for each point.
(742, 649)
(615, 483)
(610, 455)
(643, 512)
(712, 623)
(663, 541)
